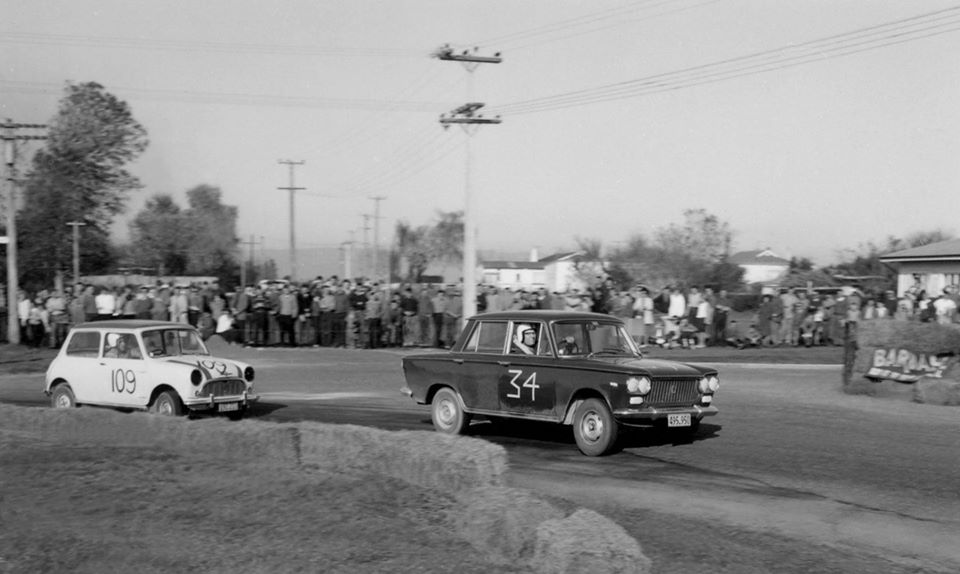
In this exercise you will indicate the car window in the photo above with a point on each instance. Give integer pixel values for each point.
(121, 346)
(172, 342)
(487, 337)
(84, 344)
(609, 338)
(520, 345)
(570, 337)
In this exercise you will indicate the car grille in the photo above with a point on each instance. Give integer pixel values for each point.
(223, 388)
(673, 392)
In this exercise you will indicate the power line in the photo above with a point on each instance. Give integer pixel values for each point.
(234, 98)
(873, 37)
(87, 41)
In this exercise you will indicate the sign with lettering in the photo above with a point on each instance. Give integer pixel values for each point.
(906, 366)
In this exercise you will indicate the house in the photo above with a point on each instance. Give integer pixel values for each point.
(929, 267)
(760, 266)
(557, 272)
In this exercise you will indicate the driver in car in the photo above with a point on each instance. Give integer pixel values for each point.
(525, 340)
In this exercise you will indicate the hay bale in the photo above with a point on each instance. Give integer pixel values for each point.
(937, 392)
(425, 458)
(587, 542)
(502, 522)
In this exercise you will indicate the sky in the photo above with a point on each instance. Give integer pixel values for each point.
(809, 126)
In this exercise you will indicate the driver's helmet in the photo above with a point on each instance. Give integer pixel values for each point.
(523, 328)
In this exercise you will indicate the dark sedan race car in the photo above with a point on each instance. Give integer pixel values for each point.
(579, 369)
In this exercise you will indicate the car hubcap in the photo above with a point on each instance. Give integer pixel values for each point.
(591, 427)
(445, 413)
(164, 408)
(63, 402)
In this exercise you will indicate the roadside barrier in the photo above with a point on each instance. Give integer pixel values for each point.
(508, 525)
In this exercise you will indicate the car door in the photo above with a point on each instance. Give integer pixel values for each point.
(81, 369)
(123, 370)
(479, 363)
(526, 384)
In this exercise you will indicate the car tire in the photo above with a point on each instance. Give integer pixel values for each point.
(62, 397)
(447, 414)
(594, 428)
(168, 404)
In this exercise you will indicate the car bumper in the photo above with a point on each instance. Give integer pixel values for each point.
(206, 403)
(650, 415)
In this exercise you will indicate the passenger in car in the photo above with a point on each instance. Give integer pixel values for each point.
(525, 340)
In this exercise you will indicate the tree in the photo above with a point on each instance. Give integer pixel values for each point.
(412, 249)
(212, 231)
(200, 240)
(702, 237)
(418, 247)
(79, 175)
(159, 237)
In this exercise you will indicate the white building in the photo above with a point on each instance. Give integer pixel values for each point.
(929, 267)
(760, 266)
(557, 272)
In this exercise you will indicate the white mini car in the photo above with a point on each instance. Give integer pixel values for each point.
(147, 365)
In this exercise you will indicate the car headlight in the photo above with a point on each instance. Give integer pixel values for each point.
(639, 385)
(709, 384)
(196, 377)
(248, 374)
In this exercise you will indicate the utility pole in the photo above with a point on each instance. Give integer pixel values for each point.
(346, 251)
(291, 188)
(76, 225)
(365, 269)
(243, 266)
(466, 116)
(376, 236)
(9, 134)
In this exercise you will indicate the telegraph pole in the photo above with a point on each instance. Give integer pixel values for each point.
(376, 236)
(291, 188)
(466, 116)
(243, 267)
(366, 244)
(9, 134)
(76, 225)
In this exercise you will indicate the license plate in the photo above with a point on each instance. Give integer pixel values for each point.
(227, 407)
(678, 420)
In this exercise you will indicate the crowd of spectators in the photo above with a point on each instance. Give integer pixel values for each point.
(365, 314)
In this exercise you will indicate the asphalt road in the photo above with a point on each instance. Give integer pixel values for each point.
(791, 476)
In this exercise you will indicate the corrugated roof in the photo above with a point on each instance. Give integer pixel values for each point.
(949, 249)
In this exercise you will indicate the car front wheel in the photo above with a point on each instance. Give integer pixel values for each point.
(446, 413)
(62, 397)
(168, 404)
(594, 428)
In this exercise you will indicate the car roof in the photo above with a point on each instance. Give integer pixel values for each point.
(131, 324)
(544, 315)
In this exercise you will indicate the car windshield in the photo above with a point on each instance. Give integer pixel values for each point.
(173, 342)
(593, 338)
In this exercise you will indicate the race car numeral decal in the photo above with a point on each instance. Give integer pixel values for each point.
(217, 366)
(123, 381)
(529, 383)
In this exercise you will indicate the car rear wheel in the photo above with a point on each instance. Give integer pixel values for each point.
(62, 397)
(168, 404)
(594, 428)
(446, 413)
